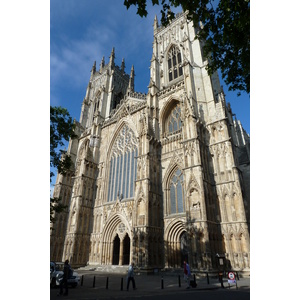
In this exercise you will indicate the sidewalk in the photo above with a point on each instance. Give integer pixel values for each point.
(108, 286)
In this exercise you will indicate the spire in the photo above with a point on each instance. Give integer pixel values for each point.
(155, 25)
(123, 66)
(112, 58)
(102, 65)
(94, 68)
(132, 72)
(131, 81)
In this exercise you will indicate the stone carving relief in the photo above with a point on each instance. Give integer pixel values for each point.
(94, 141)
(121, 230)
(143, 124)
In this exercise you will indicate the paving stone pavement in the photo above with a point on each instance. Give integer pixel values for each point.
(98, 285)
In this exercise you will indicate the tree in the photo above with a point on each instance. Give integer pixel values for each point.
(61, 129)
(224, 33)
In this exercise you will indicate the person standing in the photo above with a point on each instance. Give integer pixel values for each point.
(186, 273)
(66, 275)
(130, 277)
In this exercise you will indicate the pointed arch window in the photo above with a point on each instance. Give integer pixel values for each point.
(117, 99)
(123, 165)
(173, 121)
(174, 63)
(177, 202)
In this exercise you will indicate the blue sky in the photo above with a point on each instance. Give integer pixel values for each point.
(82, 32)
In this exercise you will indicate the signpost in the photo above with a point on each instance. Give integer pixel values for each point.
(231, 279)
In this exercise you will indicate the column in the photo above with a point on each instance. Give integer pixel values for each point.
(121, 253)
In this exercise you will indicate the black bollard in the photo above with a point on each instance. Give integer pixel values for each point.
(221, 279)
(179, 284)
(207, 278)
(81, 280)
(94, 281)
(195, 278)
(107, 283)
(122, 284)
(237, 276)
(162, 282)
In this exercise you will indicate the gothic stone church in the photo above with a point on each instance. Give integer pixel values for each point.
(161, 177)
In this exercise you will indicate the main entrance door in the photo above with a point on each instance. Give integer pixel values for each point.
(126, 250)
(121, 250)
(116, 250)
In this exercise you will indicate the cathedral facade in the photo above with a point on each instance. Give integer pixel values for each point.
(161, 177)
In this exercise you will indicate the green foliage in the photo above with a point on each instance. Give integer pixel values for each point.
(224, 31)
(57, 207)
(61, 129)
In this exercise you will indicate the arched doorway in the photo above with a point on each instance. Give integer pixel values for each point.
(116, 250)
(177, 245)
(184, 247)
(126, 250)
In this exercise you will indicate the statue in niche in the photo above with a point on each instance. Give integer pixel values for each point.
(245, 258)
(143, 124)
(221, 130)
(236, 261)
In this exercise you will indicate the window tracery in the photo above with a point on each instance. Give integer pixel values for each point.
(174, 63)
(177, 203)
(173, 121)
(123, 165)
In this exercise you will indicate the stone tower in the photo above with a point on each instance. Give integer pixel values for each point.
(161, 177)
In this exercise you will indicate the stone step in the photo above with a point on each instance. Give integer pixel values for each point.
(106, 268)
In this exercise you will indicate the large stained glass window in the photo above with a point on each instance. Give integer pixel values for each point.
(177, 201)
(123, 163)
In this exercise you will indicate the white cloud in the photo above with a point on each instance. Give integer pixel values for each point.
(73, 61)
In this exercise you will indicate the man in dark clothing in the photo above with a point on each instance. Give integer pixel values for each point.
(130, 277)
(64, 282)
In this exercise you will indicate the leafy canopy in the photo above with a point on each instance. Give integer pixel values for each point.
(61, 129)
(224, 33)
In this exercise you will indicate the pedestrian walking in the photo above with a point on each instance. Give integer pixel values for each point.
(186, 273)
(130, 277)
(64, 283)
